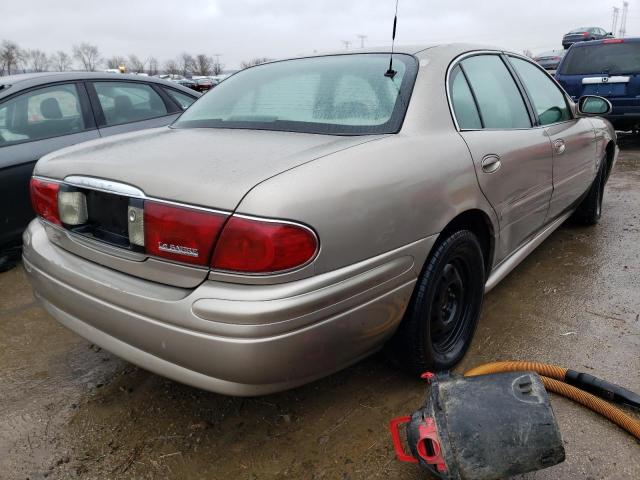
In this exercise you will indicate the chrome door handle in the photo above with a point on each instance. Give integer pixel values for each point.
(491, 164)
(559, 146)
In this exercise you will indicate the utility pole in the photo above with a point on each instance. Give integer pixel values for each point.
(362, 39)
(346, 44)
(623, 22)
(614, 23)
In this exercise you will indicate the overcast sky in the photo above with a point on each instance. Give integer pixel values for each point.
(242, 29)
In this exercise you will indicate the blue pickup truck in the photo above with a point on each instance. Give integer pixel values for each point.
(609, 68)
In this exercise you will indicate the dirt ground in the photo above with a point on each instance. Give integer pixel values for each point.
(71, 410)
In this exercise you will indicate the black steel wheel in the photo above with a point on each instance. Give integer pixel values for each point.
(445, 307)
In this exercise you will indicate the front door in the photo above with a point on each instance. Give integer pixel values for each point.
(573, 139)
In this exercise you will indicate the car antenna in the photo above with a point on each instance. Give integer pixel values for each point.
(391, 72)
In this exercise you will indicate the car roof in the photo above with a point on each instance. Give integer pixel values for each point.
(445, 49)
(12, 83)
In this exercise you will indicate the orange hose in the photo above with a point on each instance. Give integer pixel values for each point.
(553, 380)
(551, 371)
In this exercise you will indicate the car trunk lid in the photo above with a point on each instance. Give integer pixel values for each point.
(210, 169)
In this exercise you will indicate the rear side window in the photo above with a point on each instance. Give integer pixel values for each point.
(464, 106)
(500, 102)
(548, 101)
(44, 113)
(603, 58)
(182, 99)
(124, 102)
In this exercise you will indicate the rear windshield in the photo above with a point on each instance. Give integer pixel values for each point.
(338, 95)
(610, 58)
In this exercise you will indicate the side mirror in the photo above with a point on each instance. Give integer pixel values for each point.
(592, 105)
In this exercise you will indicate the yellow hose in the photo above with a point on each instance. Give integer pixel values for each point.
(553, 380)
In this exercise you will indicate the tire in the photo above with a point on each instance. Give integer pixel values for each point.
(589, 211)
(445, 307)
(8, 261)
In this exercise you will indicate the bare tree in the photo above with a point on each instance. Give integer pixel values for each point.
(217, 67)
(88, 55)
(61, 61)
(10, 56)
(255, 61)
(153, 66)
(135, 64)
(171, 67)
(115, 62)
(528, 53)
(36, 60)
(202, 65)
(186, 64)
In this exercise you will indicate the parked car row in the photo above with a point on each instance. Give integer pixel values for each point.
(40, 113)
(305, 213)
(198, 83)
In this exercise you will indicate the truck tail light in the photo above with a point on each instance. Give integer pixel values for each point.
(613, 40)
(44, 199)
(179, 233)
(263, 246)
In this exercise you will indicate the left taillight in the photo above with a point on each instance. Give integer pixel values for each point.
(44, 199)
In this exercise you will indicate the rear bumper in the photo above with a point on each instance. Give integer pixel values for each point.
(233, 339)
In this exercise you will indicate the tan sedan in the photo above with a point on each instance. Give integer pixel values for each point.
(306, 212)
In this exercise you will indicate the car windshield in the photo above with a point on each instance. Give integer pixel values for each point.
(578, 30)
(338, 95)
(609, 58)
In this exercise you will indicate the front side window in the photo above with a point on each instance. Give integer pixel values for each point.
(548, 100)
(341, 95)
(500, 102)
(43, 113)
(464, 106)
(124, 102)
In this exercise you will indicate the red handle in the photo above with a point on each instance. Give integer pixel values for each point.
(397, 442)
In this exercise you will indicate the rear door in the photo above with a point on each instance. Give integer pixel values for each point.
(32, 124)
(573, 139)
(126, 106)
(513, 160)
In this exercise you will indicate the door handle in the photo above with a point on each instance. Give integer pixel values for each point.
(491, 164)
(559, 146)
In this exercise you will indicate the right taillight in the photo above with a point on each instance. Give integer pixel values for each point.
(44, 199)
(249, 245)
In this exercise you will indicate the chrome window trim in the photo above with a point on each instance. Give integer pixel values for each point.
(457, 60)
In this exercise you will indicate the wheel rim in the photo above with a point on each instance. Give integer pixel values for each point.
(450, 307)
